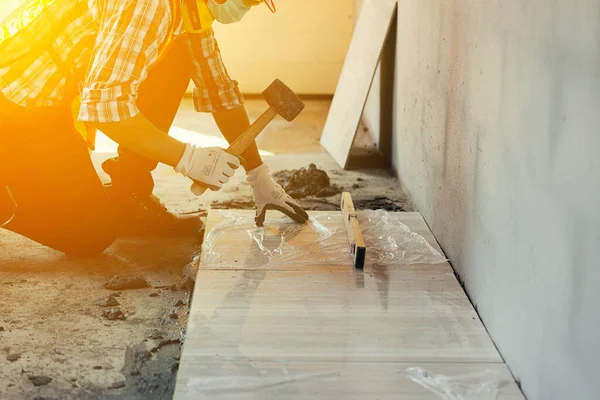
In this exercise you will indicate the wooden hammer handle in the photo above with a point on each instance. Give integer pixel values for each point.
(242, 142)
(249, 135)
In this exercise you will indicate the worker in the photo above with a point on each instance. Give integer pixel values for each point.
(130, 63)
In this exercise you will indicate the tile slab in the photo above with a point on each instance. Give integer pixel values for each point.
(249, 380)
(315, 330)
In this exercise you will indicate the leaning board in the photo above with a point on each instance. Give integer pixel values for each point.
(356, 78)
(324, 331)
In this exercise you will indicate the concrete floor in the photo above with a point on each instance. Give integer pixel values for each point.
(50, 324)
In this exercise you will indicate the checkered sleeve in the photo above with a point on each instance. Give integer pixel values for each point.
(214, 89)
(130, 35)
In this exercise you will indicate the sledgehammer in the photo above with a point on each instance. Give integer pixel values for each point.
(282, 101)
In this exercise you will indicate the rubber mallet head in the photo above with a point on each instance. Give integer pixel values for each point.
(283, 100)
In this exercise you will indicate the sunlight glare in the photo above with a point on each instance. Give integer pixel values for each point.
(106, 145)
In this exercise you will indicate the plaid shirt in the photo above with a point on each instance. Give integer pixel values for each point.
(117, 42)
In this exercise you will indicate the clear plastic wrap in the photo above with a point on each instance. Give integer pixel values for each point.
(215, 236)
(388, 241)
(391, 242)
(481, 385)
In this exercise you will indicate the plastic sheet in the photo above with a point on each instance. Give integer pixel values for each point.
(481, 385)
(216, 234)
(388, 241)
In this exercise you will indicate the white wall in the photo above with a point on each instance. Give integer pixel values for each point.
(304, 44)
(497, 138)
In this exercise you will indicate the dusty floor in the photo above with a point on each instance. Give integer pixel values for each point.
(55, 339)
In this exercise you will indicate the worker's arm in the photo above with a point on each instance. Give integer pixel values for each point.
(211, 166)
(139, 135)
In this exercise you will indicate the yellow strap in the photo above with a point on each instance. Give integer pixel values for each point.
(198, 20)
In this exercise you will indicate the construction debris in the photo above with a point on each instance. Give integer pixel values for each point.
(127, 283)
(378, 203)
(313, 204)
(304, 182)
(148, 373)
(135, 357)
(172, 288)
(114, 314)
(360, 203)
(40, 380)
(118, 385)
(175, 368)
(108, 301)
(156, 335)
(165, 343)
(329, 191)
(187, 283)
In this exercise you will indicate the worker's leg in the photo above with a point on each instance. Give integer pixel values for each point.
(139, 212)
(217, 93)
(49, 189)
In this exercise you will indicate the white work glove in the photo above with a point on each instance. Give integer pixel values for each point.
(210, 166)
(228, 11)
(269, 195)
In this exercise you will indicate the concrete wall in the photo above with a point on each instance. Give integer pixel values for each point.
(497, 138)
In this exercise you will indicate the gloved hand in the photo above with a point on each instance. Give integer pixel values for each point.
(269, 195)
(211, 166)
(228, 11)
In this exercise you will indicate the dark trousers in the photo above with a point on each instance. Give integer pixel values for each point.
(45, 165)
